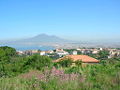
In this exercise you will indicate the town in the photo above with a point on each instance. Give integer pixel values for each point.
(58, 53)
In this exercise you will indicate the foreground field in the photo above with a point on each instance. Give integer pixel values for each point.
(95, 77)
(40, 73)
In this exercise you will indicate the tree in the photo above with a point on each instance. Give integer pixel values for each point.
(78, 63)
(67, 62)
(79, 52)
(38, 62)
(7, 52)
(103, 54)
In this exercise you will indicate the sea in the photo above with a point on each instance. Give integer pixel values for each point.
(23, 48)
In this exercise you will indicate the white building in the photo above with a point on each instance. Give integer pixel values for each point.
(100, 49)
(74, 52)
(62, 53)
(20, 52)
(42, 53)
(95, 51)
(114, 53)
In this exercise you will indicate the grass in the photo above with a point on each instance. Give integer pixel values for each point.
(54, 84)
(100, 80)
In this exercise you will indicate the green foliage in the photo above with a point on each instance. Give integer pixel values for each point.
(103, 55)
(38, 62)
(67, 62)
(5, 59)
(7, 51)
(74, 70)
(79, 52)
(69, 50)
(12, 65)
(78, 63)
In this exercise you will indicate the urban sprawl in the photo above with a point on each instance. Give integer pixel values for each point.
(58, 53)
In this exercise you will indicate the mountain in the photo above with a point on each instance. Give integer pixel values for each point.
(46, 38)
(51, 40)
(42, 39)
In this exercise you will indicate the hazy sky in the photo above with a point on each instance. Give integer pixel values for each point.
(71, 19)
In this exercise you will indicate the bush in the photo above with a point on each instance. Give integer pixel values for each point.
(67, 62)
(38, 62)
(73, 70)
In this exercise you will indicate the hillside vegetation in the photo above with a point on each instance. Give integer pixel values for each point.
(40, 73)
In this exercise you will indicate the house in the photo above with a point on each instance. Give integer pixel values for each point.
(73, 53)
(101, 49)
(62, 53)
(20, 52)
(42, 53)
(86, 51)
(95, 51)
(59, 50)
(83, 58)
(28, 52)
(114, 53)
(49, 52)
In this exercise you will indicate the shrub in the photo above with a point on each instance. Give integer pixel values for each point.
(67, 62)
(38, 62)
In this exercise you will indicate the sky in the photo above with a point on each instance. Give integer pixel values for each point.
(69, 19)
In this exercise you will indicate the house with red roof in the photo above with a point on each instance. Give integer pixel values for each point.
(83, 58)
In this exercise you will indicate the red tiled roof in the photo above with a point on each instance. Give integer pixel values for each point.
(83, 58)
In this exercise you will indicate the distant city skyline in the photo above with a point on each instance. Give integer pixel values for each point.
(70, 19)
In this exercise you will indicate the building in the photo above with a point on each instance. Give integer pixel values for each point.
(86, 51)
(62, 53)
(49, 52)
(100, 49)
(73, 53)
(59, 50)
(20, 52)
(35, 51)
(83, 58)
(28, 52)
(114, 53)
(95, 51)
(42, 53)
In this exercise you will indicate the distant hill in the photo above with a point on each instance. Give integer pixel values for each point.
(45, 38)
(52, 40)
(37, 40)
